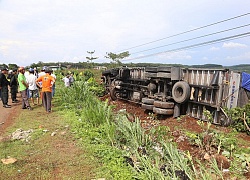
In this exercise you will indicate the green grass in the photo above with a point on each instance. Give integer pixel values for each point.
(45, 156)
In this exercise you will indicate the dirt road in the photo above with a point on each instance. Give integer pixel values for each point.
(7, 114)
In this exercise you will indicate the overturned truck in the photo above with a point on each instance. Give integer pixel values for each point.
(177, 91)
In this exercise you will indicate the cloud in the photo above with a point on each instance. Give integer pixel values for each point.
(234, 45)
(175, 56)
(244, 56)
(214, 49)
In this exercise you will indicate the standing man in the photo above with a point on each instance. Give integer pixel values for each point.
(14, 86)
(47, 83)
(66, 81)
(23, 87)
(4, 87)
(33, 90)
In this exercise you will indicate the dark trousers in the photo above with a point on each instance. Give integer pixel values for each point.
(13, 91)
(4, 95)
(25, 101)
(53, 90)
(47, 97)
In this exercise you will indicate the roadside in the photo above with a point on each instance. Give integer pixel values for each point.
(53, 153)
(49, 152)
(7, 114)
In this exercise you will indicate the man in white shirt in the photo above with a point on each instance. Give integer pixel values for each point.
(66, 81)
(33, 90)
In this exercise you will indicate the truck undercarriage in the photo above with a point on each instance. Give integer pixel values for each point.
(196, 92)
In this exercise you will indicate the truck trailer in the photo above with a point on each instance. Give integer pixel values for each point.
(202, 93)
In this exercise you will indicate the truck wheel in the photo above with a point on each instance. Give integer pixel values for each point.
(181, 92)
(104, 80)
(106, 72)
(113, 93)
(147, 106)
(164, 105)
(147, 101)
(163, 111)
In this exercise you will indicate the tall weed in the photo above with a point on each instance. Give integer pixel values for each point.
(131, 133)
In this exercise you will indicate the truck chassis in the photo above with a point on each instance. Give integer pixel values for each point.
(178, 91)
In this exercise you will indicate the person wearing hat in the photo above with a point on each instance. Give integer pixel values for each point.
(4, 83)
(47, 83)
(13, 86)
(23, 87)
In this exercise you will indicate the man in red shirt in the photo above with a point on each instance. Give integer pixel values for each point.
(47, 83)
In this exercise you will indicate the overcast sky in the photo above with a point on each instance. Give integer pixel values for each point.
(64, 30)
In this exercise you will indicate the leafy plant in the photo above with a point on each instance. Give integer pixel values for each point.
(131, 133)
(95, 87)
(88, 74)
(240, 118)
(245, 160)
(203, 140)
(160, 133)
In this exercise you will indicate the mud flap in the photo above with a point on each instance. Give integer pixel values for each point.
(177, 110)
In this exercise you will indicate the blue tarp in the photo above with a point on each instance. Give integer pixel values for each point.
(245, 82)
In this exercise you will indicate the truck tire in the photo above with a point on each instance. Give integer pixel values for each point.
(181, 92)
(147, 101)
(164, 105)
(104, 73)
(147, 106)
(163, 111)
(113, 94)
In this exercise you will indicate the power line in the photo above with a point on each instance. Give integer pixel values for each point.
(191, 39)
(195, 45)
(186, 32)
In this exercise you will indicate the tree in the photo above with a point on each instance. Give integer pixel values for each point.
(13, 66)
(91, 58)
(116, 58)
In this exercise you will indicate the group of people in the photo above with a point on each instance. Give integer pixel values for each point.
(68, 80)
(32, 85)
